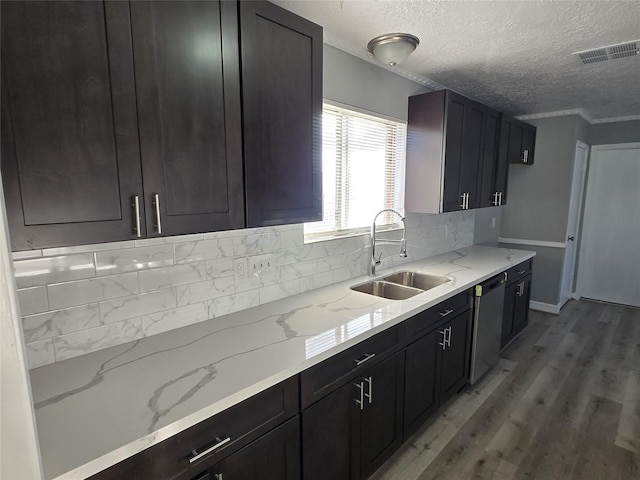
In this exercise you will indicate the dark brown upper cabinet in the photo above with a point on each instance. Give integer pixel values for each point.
(282, 115)
(70, 155)
(445, 149)
(493, 191)
(124, 120)
(520, 138)
(188, 99)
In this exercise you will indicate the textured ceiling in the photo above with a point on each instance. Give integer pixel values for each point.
(512, 55)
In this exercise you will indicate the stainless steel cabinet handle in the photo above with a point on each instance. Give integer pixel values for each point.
(467, 201)
(218, 476)
(449, 337)
(525, 156)
(136, 209)
(156, 206)
(443, 344)
(197, 456)
(500, 202)
(495, 202)
(463, 196)
(361, 401)
(369, 395)
(367, 357)
(520, 272)
(445, 313)
(520, 290)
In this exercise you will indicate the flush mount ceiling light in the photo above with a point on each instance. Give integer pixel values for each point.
(393, 48)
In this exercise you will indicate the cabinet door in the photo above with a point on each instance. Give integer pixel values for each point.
(522, 295)
(381, 424)
(275, 455)
(528, 143)
(421, 394)
(70, 157)
(515, 142)
(454, 373)
(493, 170)
(330, 436)
(187, 85)
(472, 152)
(507, 314)
(501, 171)
(282, 115)
(455, 115)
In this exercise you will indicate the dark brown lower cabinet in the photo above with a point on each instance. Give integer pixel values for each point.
(420, 388)
(454, 373)
(275, 456)
(352, 431)
(516, 308)
(437, 367)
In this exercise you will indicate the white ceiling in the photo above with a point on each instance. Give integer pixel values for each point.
(512, 55)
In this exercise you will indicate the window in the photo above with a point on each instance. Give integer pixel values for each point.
(363, 159)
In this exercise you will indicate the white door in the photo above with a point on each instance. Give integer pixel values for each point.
(609, 264)
(573, 224)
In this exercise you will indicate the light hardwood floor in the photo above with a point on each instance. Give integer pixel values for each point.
(563, 403)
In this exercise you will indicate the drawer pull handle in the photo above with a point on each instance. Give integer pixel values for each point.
(367, 357)
(443, 344)
(361, 401)
(369, 395)
(197, 456)
(156, 206)
(445, 313)
(136, 209)
(520, 272)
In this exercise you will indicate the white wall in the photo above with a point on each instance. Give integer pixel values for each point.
(19, 455)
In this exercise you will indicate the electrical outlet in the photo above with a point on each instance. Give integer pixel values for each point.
(493, 222)
(240, 269)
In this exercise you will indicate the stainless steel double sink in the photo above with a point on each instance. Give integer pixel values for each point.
(400, 285)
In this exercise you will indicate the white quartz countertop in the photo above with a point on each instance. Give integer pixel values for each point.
(96, 410)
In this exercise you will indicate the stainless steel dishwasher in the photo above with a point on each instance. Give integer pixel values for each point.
(487, 326)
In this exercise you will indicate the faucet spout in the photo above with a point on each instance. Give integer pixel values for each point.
(403, 242)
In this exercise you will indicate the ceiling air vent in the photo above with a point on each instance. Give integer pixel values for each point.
(602, 54)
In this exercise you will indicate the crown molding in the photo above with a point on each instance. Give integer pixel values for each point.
(559, 113)
(582, 113)
(362, 53)
(626, 118)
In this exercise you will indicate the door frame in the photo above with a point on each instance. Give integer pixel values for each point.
(576, 204)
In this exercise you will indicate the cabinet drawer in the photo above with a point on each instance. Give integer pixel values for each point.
(320, 380)
(519, 271)
(423, 322)
(231, 430)
(275, 455)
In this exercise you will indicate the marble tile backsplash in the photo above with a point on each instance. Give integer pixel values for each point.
(75, 300)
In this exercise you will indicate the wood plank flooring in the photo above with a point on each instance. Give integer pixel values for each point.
(563, 403)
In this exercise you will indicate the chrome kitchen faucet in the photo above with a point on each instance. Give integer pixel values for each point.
(403, 242)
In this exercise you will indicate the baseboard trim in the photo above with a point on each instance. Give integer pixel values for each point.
(545, 307)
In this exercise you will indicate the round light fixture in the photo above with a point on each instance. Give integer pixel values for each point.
(393, 48)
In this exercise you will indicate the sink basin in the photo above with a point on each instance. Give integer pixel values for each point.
(415, 280)
(388, 290)
(400, 285)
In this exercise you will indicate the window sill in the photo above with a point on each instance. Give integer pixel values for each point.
(324, 237)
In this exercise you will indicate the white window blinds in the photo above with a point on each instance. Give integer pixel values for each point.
(363, 159)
